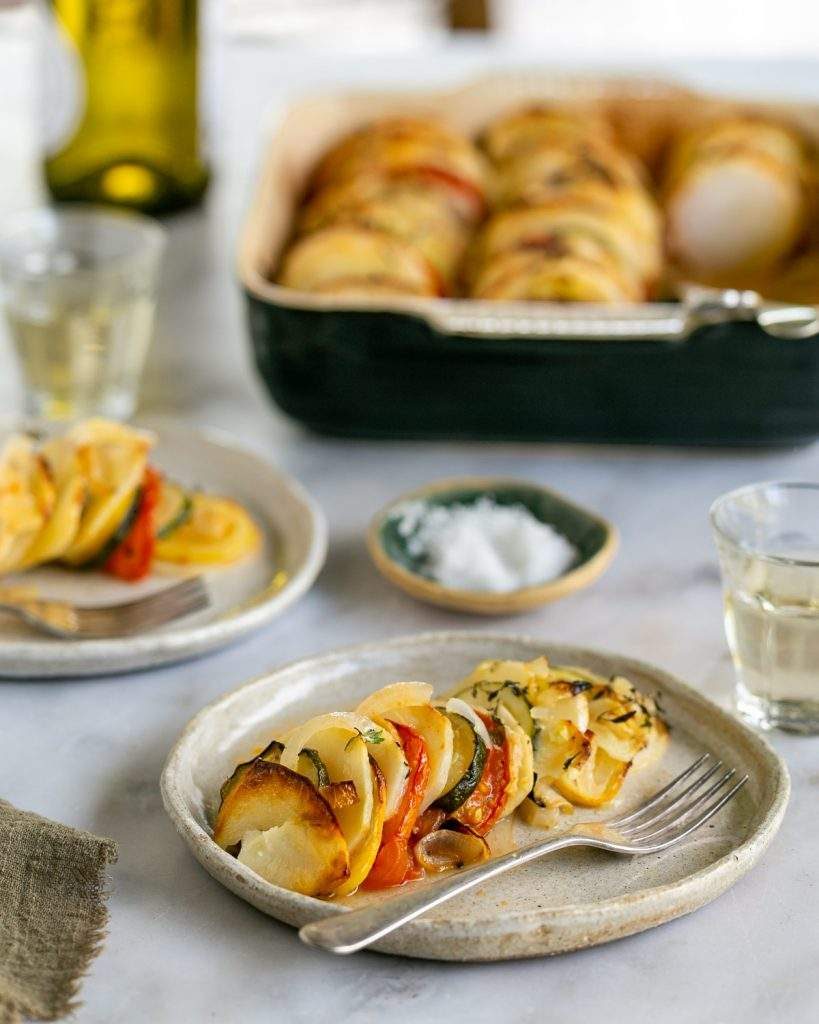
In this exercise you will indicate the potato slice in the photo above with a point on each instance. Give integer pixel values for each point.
(525, 128)
(217, 532)
(363, 857)
(287, 832)
(394, 696)
(412, 149)
(527, 227)
(63, 524)
(593, 779)
(343, 740)
(528, 276)
(26, 500)
(112, 459)
(521, 770)
(734, 214)
(348, 252)
(436, 731)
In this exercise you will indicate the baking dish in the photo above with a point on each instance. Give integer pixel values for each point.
(715, 367)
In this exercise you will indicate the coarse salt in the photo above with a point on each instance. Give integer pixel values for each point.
(483, 545)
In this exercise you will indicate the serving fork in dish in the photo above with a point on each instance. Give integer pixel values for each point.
(75, 622)
(662, 821)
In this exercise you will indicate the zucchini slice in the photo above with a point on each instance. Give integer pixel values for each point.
(468, 761)
(174, 509)
(490, 695)
(117, 537)
(312, 766)
(272, 752)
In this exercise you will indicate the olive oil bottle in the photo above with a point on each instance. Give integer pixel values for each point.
(120, 110)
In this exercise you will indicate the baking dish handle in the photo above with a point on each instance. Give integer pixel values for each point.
(667, 321)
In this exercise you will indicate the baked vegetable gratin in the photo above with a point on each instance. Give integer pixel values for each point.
(89, 499)
(548, 205)
(404, 785)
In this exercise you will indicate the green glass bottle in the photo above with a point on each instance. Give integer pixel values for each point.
(120, 105)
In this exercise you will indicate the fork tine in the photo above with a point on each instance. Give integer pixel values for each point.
(662, 809)
(182, 598)
(617, 822)
(669, 822)
(193, 585)
(705, 816)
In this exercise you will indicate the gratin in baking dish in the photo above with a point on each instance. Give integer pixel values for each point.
(715, 367)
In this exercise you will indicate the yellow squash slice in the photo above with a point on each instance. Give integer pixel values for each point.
(217, 532)
(287, 832)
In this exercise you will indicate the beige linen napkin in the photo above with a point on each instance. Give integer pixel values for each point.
(52, 913)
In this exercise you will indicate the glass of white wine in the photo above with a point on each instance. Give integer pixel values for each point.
(768, 540)
(79, 292)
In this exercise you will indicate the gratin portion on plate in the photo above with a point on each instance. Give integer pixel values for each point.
(89, 499)
(406, 785)
(93, 538)
(575, 899)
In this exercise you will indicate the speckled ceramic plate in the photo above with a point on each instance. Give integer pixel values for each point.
(573, 899)
(243, 597)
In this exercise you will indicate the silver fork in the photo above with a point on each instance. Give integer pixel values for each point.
(73, 622)
(667, 818)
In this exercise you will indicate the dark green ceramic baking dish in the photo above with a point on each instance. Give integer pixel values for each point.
(720, 368)
(393, 375)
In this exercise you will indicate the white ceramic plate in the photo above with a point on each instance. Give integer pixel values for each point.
(570, 900)
(243, 597)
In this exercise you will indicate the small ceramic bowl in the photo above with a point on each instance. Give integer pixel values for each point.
(595, 539)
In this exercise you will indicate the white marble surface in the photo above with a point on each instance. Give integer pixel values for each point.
(182, 949)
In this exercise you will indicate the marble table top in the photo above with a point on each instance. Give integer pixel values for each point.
(89, 753)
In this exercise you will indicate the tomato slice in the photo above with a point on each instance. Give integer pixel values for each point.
(394, 863)
(469, 198)
(484, 805)
(131, 558)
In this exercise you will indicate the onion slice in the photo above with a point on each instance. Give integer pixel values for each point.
(447, 848)
(456, 706)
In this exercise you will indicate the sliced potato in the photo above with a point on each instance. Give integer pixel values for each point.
(534, 277)
(436, 731)
(112, 459)
(593, 779)
(520, 762)
(287, 832)
(412, 149)
(218, 531)
(63, 523)
(343, 739)
(26, 500)
(525, 128)
(394, 696)
(414, 215)
(351, 252)
(389, 756)
(533, 227)
(363, 856)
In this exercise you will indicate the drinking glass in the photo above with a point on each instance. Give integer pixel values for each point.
(79, 290)
(767, 536)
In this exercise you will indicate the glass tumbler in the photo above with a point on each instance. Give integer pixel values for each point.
(79, 291)
(767, 536)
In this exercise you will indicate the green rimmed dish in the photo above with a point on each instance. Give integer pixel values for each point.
(594, 538)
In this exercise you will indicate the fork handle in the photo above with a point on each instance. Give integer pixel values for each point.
(351, 930)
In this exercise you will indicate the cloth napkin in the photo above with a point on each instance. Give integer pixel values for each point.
(52, 913)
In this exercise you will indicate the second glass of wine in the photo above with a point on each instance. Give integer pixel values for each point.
(768, 541)
(79, 292)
